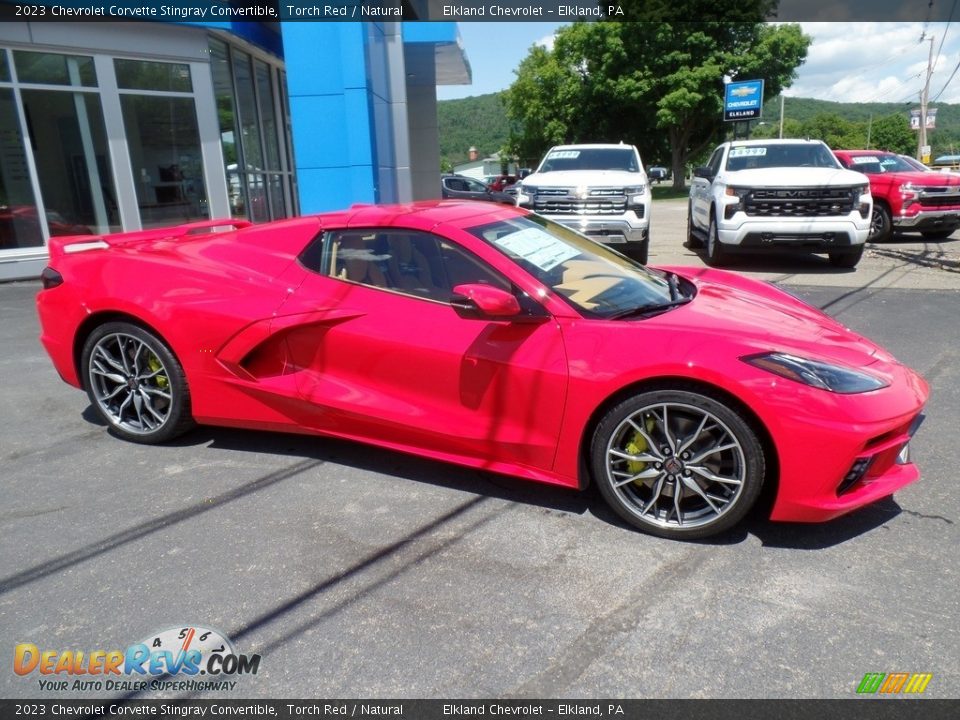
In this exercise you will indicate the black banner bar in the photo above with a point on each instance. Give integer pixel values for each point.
(873, 708)
(677, 11)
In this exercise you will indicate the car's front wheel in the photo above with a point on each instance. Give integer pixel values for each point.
(135, 383)
(881, 224)
(677, 463)
(639, 251)
(715, 252)
(846, 259)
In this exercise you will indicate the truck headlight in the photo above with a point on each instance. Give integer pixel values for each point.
(526, 194)
(910, 194)
(815, 373)
(732, 208)
(862, 199)
(635, 195)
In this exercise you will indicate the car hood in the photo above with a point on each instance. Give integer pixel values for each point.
(574, 178)
(765, 318)
(924, 179)
(795, 177)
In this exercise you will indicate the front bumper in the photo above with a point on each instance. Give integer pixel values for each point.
(611, 230)
(819, 234)
(850, 452)
(929, 220)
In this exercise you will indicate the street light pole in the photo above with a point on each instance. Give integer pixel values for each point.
(781, 116)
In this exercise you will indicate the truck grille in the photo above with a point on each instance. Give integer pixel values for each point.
(940, 196)
(594, 201)
(800, 202)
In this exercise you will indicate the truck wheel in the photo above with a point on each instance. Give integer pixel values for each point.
(638, 251)
(846, 259)
(715, 252)
(881, 226)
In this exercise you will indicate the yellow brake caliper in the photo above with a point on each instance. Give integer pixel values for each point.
(637, 445)
(154, 364)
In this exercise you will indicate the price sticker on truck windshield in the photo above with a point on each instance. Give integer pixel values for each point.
(738, 152)
(564, 155)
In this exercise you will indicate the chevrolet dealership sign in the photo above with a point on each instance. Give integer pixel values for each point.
(743, 100)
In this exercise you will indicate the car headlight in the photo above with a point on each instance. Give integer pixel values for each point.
(731, 209)
(635, 194)
(826, 376)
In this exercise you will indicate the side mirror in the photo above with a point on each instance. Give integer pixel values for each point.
(703, 172)
(477, 301)
(524, 172)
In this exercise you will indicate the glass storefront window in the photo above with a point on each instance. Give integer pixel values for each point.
(247, 103)
(55, 69)
(4, 67)
(143, 75)
(70, 152)
(19, 220)
(164, 144)
(267, 115)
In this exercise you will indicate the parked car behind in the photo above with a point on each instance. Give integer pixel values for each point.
(904, 198)
(461, 187)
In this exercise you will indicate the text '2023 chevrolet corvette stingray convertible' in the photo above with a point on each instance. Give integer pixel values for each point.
(486, 336)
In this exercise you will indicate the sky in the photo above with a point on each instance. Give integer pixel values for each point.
(862, 62)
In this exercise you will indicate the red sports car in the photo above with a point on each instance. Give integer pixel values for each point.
(483, 335)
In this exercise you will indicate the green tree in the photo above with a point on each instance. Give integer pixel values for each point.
(835, 131)
(658, 85)
(893, 133)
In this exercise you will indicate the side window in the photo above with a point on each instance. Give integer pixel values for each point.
(715, 160)
(404, 261)
(474, 186)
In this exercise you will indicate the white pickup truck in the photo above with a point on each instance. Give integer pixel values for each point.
(758, 194)
(599, 190)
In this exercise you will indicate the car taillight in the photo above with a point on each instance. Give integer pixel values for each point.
(50, 278)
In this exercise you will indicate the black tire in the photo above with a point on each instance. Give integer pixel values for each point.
(638, 251)
(881, 224)
(937, 234)
(693, 240)
(646, 503)
(846, 259)
(716, 255)
(135, 383)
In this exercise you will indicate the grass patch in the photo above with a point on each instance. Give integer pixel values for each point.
(665, 191)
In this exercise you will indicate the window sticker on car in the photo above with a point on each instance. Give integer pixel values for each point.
(864, 159)
(747, 152)
(563, 155)
(537, 247)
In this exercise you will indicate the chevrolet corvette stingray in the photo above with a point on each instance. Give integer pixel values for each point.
(486, 336)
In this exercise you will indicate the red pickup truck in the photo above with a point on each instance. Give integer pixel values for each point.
(906, 199)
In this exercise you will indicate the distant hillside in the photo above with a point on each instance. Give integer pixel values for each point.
(482, 122)
(478, 121)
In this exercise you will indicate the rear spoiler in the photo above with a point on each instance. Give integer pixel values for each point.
(69, 244)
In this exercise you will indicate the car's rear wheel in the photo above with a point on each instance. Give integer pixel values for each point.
(846, 259)
(677, 463)
(135, 383)
(881, 225)
(716, 256)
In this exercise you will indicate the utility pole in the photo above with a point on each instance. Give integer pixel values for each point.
(924, 98)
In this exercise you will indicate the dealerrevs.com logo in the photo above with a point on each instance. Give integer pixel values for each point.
(174, 659)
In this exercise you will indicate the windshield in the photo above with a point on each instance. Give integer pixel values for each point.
(592, 278)
(878, 163)
(623, 159)
(774, 155)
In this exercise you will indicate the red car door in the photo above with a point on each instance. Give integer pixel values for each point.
(383, 356)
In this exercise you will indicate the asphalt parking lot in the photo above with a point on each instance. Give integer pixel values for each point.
(357, 572)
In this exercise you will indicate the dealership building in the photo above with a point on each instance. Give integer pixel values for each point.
(120, 126)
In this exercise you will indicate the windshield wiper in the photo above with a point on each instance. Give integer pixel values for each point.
(649, 309)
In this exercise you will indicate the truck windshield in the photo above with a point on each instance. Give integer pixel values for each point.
(774, 155)
(623, 159)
